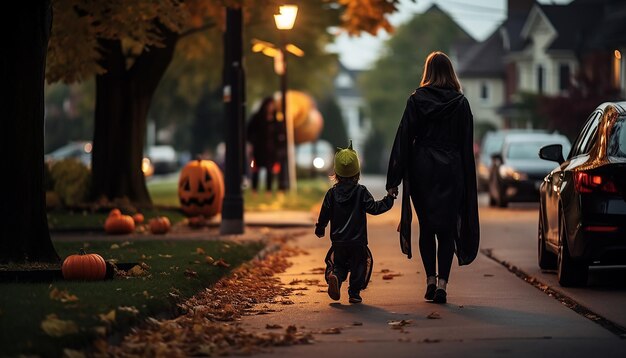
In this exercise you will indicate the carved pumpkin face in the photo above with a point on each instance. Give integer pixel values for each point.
(201, 188)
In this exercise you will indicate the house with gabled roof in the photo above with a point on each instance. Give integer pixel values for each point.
(541, 49)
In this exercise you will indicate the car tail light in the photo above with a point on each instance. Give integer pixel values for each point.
(588, 183)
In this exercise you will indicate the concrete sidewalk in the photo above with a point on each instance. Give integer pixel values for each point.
(490, 312)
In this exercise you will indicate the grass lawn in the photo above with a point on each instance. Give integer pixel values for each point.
(115, 304)
(310, 192)
(85, 220)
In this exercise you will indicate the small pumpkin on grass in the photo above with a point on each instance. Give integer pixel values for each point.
(160, 225)
(89, 267)
(138, 218)
(118, 224)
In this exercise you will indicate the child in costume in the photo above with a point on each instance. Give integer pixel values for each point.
(345, 206)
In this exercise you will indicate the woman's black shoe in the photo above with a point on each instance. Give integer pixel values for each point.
(430, 292)
(440, 296)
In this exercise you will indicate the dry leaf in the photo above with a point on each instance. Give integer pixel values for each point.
(190, 273)
(209, 260)
(273, 326)
(357, 323)
(63, 296)
(129, 309)
(391, 276)
(434, 315)
(100, 330)
(137, 271)
(333, 330)
(385, 270)
(71, 353)
(115, 246)
(200, 251)
(125, 243)
(167, 256)
(55, 327)
(109, 317)
(221, 263)
(399, 324)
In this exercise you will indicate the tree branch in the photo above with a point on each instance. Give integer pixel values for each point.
(196, 30)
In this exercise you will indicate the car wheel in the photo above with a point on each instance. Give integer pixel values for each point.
(547, 259)
(571, 273)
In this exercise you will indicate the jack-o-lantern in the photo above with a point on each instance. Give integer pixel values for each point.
(201, 188)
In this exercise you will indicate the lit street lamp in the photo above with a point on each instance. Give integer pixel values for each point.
(284, 21)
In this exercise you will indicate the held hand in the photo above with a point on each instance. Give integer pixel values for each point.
(393, 192)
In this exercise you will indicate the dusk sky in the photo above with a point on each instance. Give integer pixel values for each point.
(479, 18)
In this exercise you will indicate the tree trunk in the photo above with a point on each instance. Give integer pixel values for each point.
(24, 232)
(123, 98)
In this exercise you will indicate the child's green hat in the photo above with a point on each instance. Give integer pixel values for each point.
(347, 162)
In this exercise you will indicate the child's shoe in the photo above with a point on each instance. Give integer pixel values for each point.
(354, 297)
(333, 287)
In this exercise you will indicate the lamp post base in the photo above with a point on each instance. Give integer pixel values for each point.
(232, 216)
(231, 227)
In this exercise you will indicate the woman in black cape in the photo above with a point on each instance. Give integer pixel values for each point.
(432, 156)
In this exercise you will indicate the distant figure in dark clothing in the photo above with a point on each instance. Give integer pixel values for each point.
(432, 156)
(345, 206)
(262, 134)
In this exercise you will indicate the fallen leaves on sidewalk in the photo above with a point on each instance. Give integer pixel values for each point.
(399, 324)
(221, 263)
(333, 330)
(209, 324)
(434, 315)
(390, 276)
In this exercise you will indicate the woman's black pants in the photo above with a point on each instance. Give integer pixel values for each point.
(268, 178)
(441, 251)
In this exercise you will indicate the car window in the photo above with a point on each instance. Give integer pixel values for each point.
(617, 140)
(590, 137)
(579, 144)
(530, 150)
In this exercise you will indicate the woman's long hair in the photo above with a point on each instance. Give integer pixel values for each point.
(438, 72)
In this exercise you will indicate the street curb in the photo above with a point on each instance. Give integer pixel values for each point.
(567, 301)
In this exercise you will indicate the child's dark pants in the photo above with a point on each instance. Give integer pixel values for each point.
(351, 259)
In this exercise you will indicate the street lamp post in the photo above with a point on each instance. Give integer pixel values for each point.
(284, 21)
(232, 209)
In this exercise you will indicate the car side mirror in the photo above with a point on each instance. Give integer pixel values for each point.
(552, 152)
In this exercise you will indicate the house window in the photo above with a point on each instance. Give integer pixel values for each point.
(540, 79)
(564, 77)
(484, 91)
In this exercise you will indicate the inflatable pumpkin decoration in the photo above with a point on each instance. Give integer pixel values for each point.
(160, 225)
(118, 224)
(84, 266)
(201, 188)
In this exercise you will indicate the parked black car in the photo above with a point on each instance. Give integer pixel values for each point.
(516, 172)
(582, 216)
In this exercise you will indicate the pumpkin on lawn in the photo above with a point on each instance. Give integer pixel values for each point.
(117, 223)
(201, 188)
(138, 218)
(90, 267)
(160, 225)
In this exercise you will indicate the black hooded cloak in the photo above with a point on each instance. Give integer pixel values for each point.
(433, 157)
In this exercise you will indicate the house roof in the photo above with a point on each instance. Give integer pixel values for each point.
(349, 91)
(574, 24)
(483, 59)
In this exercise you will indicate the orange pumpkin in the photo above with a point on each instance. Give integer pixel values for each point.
(115, 212)
(90, 267)
(201, 188)
(138, 218)
(160, 225)
(120, 224)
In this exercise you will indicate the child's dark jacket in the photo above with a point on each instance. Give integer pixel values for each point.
(346, 206)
